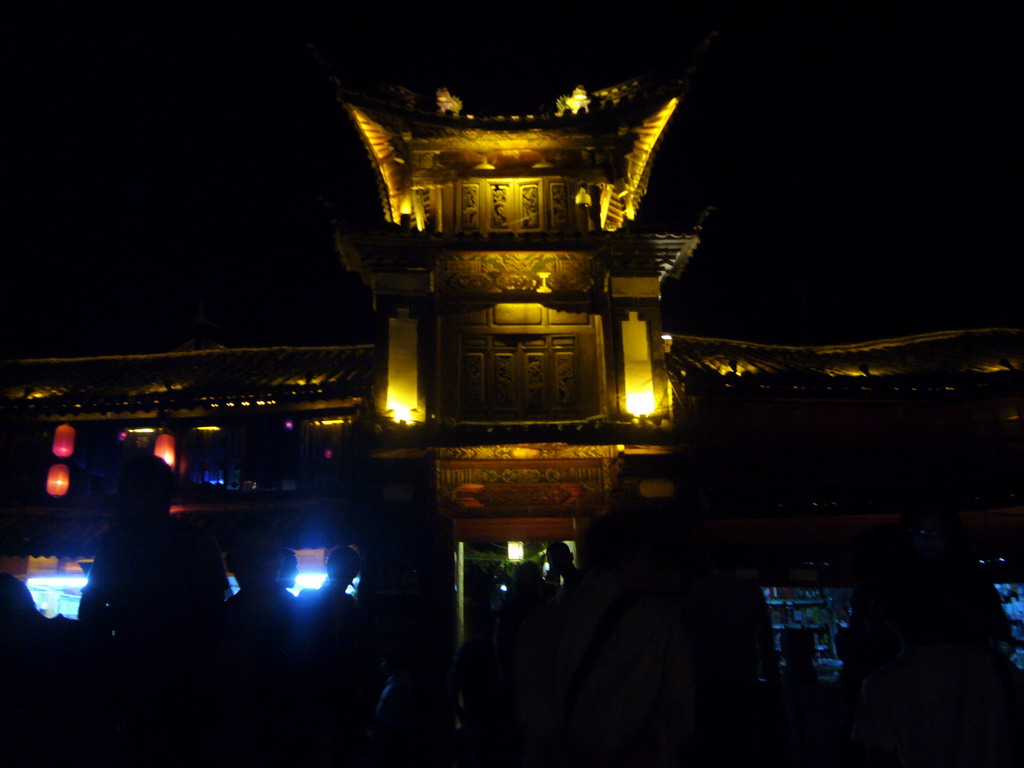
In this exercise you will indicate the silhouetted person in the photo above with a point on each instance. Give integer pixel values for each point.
(289, 569)
(562, 566)
(153, 595)
(939, 554)
(332, 648)
(525, 594)
(604, 677)
(738, 689)
(869, 640)
(473, 687)
(396, 723)
(255, 672)
(948, 700)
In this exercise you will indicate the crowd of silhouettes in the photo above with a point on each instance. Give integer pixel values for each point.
(653, 653)
(948, 695)
(165, 665)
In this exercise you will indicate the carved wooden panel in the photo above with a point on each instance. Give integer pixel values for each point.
(520, 376)
(565, 378)
(473, 379)
(469, 207)
(500, 206)
(559, 205)
(504, 378)
(529, 206)
(513, 205)
(534, 382)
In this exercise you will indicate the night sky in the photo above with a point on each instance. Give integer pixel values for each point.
(865, 169)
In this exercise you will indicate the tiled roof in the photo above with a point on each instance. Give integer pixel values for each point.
(180, 380)
(941, 360)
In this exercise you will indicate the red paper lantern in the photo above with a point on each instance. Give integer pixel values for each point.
(58, 479)
(64, 441)
(164, 448)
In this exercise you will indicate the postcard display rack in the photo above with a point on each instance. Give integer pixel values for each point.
(822, 612)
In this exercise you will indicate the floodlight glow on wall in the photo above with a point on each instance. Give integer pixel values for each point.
(636, 366)
(401, 413)
(403, 362)
(640, 403)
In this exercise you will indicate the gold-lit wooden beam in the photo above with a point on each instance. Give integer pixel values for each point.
(638, 161)
(378, 142)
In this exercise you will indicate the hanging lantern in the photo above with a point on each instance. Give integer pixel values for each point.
(164, 448)
(64, 441)
(58, 479)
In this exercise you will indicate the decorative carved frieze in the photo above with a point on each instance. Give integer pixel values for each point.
(482, 497)
(515, 272)
(527, 451)
(488, 486)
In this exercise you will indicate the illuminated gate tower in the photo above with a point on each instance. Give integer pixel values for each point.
(520, 359)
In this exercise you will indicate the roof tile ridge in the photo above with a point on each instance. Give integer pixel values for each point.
(184, 353)
(891, 341)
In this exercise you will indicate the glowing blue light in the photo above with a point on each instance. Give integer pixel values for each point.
(57, 582)
(308, 580)
(503, 588)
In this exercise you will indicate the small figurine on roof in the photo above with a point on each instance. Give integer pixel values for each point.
(579, 100)
(447, 103)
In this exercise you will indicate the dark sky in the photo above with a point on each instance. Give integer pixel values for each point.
(865, 168)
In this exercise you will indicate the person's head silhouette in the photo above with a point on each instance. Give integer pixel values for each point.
(145, 488)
